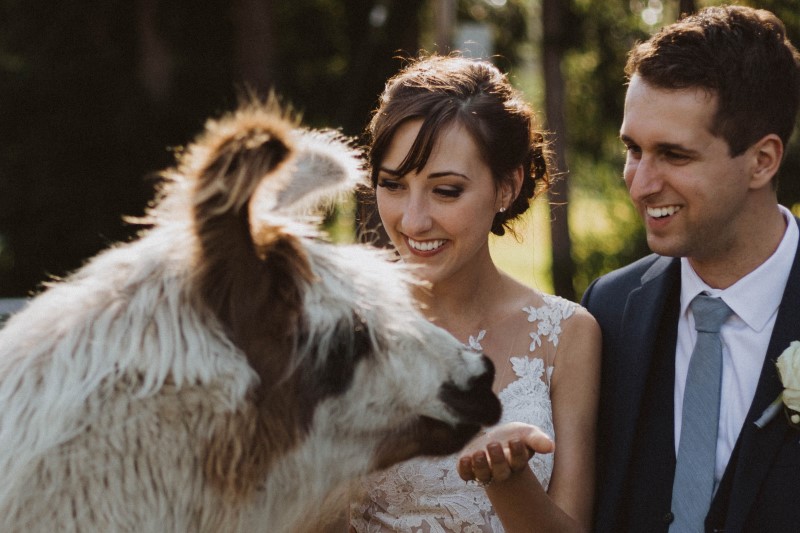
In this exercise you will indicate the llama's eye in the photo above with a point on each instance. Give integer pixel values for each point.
(353, 343)
(362, 344)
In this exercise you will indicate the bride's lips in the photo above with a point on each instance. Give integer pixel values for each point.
(425, 248)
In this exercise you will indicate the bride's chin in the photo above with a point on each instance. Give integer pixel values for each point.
(423, 268)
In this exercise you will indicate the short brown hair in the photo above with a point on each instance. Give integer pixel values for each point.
(740, 54)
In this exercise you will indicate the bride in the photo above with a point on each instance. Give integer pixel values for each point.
(454, 157)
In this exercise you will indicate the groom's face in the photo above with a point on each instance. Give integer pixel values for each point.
(685, 185)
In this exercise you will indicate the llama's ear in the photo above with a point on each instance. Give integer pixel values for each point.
(230, 165)
(325, 166)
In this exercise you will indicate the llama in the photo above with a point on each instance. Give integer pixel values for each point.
(230, 369)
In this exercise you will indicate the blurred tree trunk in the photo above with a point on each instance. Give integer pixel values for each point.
(254, 46)
(445, 20)
(686, 7)
(554, 44)
(154, 57)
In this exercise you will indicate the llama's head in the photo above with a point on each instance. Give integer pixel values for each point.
(352, 376)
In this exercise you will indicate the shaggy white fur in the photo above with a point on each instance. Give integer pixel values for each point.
(229, 370)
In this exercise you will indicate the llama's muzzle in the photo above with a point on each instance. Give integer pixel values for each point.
(476, 404)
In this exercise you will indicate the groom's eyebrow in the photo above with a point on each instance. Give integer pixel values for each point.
(661, 147)
(668, 147)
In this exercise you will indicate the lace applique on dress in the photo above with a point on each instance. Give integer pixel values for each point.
(427, 495)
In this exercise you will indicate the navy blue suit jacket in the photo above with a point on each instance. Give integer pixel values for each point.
(760, 491)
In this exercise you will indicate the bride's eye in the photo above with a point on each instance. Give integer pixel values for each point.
(389, 184)
(448, 192)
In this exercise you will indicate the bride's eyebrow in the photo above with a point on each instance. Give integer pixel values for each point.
(391, 172)
(444, 173)
(432, 175)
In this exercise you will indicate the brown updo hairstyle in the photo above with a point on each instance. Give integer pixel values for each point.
(442, 90)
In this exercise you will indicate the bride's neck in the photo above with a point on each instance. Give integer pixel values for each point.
(464, 307)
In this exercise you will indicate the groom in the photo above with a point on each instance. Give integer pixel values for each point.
(711, 103)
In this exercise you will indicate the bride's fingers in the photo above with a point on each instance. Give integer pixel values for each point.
(499, 462)
(519, 455)
(465, 469)
(481, 468)
(508, 450)
(540, 442)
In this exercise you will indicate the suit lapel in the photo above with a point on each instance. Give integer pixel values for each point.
(640, 323)
(757, 447)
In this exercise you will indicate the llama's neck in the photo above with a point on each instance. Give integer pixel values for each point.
(310, 478)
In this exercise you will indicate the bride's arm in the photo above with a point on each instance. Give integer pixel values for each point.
(518, 498)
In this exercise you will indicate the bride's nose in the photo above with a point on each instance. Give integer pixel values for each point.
(416, 218)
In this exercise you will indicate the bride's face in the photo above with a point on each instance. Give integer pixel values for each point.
(439, 217)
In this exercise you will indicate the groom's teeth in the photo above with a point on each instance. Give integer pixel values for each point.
(425, 246)
(658, 212)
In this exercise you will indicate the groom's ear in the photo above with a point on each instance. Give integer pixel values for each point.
(765, 157)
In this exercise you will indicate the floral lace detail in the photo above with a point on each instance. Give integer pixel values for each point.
(549, 318)
(427, 495)
(475, 342)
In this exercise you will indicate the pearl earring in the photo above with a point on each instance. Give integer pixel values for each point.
(502, 210)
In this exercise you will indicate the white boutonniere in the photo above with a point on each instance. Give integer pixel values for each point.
(789, 400)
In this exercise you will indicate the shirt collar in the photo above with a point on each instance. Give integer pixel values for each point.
(755, 297)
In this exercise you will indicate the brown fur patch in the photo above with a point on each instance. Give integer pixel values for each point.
(247, 442)
(231, 462)
(252, 281)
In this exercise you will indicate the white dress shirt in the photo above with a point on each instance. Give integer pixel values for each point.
(754, 300)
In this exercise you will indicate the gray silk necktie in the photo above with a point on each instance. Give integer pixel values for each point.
(693, 486)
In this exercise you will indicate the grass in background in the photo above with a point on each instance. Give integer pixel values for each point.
(527, 256)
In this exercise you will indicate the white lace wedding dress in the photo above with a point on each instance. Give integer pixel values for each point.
(427, 495)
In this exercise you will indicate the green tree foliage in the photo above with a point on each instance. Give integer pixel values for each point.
(508, 20)
(789, 176)
(607, 234)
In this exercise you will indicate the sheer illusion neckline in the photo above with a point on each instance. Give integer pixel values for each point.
(547, 319)
(427, 495)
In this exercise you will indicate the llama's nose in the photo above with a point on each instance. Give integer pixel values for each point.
(486, 379)
(476, 404)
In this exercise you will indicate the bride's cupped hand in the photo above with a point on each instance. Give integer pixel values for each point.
(503, 450)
